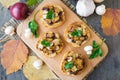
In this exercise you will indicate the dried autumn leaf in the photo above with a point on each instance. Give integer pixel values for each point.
(7, 3)
(13, 55)
(34, 74)
(111, 22)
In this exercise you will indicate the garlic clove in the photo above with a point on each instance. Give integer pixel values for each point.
(9, 30)
(28, 35)
(85, 7)
(100, 10)
(38, 64)
(98, 1)
(88, 48)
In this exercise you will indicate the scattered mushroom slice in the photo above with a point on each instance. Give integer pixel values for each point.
(50, 44)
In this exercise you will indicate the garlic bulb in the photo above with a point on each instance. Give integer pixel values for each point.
(38, 64)
(88, 49)
(10, 30)
(98, 1)
(85, 7)
(28, 33)
(100, 10)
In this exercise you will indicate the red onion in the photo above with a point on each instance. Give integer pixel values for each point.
(19, 11)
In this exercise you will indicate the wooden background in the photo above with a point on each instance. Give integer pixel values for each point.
(109, 69)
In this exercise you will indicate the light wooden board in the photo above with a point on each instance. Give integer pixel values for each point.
(54, 63)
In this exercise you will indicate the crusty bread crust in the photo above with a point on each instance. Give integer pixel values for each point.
(55, 24)
(73, 25)
(63, 62)
(50, 55)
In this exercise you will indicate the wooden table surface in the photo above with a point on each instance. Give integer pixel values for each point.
(108, 69)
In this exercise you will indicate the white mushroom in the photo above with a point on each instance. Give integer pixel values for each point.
(38, 64)
(10, 30)
(45, 12)
(88, 49)
(28, 33)
(40, 46)
(85, 7)
(56, 41)
(27, 30)
(44, 16)
(100, 10)
(98, 1)
(69, 40)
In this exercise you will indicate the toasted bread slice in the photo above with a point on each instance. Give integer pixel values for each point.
(55, 19)
(73, 63)
(50, 44)
(77, 34)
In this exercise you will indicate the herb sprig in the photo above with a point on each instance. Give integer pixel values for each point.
(33, 2)
(33, 25)
(45, 43)
(69, 65)
(50, 14)
(76, 33)
(97, 51)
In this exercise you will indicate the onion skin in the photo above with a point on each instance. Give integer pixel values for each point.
(19, 11)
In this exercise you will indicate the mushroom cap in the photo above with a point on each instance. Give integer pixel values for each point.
(37, 64)
(88, 48)
(100, 10)
(28, 35)
(9, 29)
(98, 1)
(27, 30)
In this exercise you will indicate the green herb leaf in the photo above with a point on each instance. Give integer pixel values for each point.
(33, 27)
(95, 45)
(76, 33)
(32, 2)
(93, 55)
(69, 65)
(100, 52)
(41, 1)
(50, 14)
(97, 51)
(45, 43)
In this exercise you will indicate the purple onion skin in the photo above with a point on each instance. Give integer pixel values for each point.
(19, 11)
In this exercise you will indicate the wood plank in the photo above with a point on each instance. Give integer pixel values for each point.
(54, 63)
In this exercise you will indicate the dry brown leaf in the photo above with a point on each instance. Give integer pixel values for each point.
(13, 55)
(111, 22)
(37, 74)
(8, 3)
